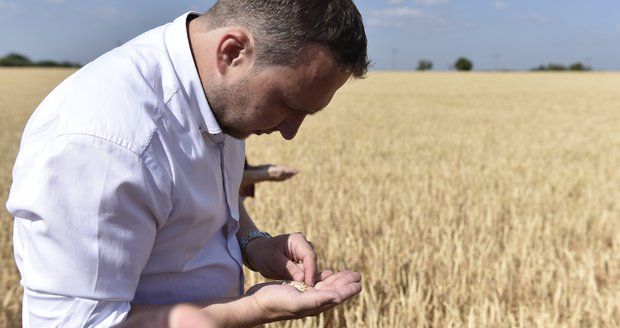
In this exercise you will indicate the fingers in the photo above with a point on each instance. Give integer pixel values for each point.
(349, 290)
(318, 299)
(302, 251)
(295, 259)
(345, 284)
(310, 270)
(318, 276)
(284, 266)
(294, 271)
(327, 281)
(280, 173)
(287, 171)
(323, 275)
(346, 277)
(339, 280)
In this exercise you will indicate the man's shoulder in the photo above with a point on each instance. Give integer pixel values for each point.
(141, 67)
(118, 97)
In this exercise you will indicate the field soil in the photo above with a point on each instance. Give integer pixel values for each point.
(465, 200)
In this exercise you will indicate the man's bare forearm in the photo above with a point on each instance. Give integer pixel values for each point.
(237, 312)
(251, 177)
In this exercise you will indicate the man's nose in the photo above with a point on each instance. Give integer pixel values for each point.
(289, 127)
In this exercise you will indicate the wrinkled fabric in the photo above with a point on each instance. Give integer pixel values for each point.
(125, 190)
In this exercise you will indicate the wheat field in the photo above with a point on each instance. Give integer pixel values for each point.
(465, 200)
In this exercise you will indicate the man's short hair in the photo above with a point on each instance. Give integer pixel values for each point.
(282, 28)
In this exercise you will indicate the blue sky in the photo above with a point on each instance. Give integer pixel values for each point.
(507, 34)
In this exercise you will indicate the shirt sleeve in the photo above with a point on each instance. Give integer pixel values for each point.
(87, 211)
(46, 310)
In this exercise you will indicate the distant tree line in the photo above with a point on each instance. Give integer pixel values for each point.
(19, 60)
(464, 64)
(577, 67)
(461, 64)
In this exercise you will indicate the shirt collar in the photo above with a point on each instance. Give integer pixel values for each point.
(179, 51)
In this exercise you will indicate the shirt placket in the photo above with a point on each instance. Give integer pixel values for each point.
(229, 228)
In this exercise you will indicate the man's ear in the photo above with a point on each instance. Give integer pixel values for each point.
(235, 50)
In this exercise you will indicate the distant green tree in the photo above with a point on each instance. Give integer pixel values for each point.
(463, 64)
(580, 67)
(15, 59)
(425, 65)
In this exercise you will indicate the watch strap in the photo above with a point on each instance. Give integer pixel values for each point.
(245, 240)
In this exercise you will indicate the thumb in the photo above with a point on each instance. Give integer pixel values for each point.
(294, 272)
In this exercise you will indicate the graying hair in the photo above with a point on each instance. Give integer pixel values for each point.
(282, 28)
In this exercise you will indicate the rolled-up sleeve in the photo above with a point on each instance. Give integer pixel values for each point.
(86, 214)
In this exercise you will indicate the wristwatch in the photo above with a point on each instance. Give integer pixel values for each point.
(243, 242)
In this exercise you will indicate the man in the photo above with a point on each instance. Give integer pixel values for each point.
(125, 189)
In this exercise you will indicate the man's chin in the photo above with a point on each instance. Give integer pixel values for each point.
(241, 135)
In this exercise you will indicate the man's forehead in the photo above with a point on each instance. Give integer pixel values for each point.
(314, 93)
(318, 60)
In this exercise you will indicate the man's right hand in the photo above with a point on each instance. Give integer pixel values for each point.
(275, 301)
(262, 303)
(279, 172)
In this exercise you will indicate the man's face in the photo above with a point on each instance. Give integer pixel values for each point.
(277, 98)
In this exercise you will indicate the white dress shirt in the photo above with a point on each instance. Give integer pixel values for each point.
(125, 190)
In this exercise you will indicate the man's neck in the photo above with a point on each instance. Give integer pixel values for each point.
(195, 29)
